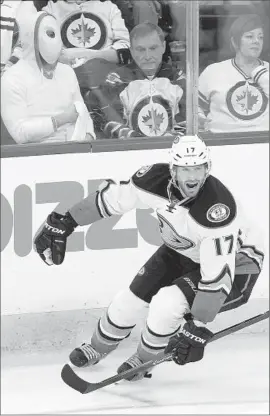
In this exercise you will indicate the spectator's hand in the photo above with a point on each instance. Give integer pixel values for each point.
(69, 56)
(4, 68)
(179, 128)
(202, 123)
(89, 137)
(71, 114)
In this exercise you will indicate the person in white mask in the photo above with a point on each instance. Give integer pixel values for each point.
(40, 97)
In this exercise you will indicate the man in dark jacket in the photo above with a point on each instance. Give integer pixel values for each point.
(146, 96)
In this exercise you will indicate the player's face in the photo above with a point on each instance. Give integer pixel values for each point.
(147, 52)
(251, 43)
(189, 179)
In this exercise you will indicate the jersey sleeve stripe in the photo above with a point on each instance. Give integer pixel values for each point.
(102, 201)
(253, 254)
(6, 27)
(7, 19)
(100, 206)
(256, 251)
(223, 282)
(234, 300)
(103, 208)
(97, 205)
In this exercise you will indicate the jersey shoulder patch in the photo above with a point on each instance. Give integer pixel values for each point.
(215, 206)
(153, 178)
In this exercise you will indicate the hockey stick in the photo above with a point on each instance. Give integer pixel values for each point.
(84, 387)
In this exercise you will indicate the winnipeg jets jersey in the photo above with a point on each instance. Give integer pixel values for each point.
(11, 10)
(208, 229)
(150, 106)
(232, 101)
(91, 24)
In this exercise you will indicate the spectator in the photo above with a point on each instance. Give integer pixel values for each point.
(127, 12)
(170, 16)
(146, 10)
(234, 94)
(40, 98)
(231, 9)
(94, 36)
(10, 10)
(143, 97)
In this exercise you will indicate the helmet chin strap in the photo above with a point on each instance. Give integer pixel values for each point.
(175, 184)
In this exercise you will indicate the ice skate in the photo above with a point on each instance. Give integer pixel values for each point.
(85, 355)
(133, 362)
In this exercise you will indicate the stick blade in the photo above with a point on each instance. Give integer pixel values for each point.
(74, 381)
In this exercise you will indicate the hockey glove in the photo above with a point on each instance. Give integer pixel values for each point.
(50, 243)
(188, 345)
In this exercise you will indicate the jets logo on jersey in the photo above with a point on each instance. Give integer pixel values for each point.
(83, 30)
(152, 118)
(170, 236)
(218, 213)
(246, 100)
(143, 170)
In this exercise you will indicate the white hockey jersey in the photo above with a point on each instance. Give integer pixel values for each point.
(91, 24)
(150, 106)
(233, 102)
(11, 10)
(209, 229)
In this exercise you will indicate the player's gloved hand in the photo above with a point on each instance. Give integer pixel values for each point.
(50, 243)
(188, 345)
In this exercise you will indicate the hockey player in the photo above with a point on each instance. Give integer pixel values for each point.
(207, 264)
(234, 94)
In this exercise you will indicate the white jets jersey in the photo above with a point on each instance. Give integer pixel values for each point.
(91, 24)
(206, 228)
(150, 106)
(7, 19)
(11, 11)
(232, 101)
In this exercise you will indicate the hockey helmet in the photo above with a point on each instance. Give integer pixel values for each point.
(189, 151)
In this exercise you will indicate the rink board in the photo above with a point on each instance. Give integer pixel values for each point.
(56, 330)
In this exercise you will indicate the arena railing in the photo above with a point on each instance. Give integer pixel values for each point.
(140, 143)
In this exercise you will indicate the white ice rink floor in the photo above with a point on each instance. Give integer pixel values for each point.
(233, 378)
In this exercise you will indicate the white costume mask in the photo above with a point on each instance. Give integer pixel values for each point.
(48, 43)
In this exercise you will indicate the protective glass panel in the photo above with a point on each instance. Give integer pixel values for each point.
(132, 79)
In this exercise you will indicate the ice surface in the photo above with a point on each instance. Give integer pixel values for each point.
(233, 378)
